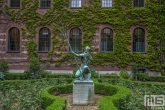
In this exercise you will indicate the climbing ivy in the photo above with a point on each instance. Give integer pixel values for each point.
(122, 16)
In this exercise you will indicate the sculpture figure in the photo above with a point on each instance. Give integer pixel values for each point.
(83, 73)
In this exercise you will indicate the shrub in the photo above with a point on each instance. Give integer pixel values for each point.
(27, 75)
(109, 76)
(44, 74)
(34, 67)
(134, 72)
(116, 96)
(4, 66)
(105, 89)
(94, 74)
(124, 75)
(142, 76)
(51, 102)
(115, 101)
(23, 94)
(14, 76)
(60, 76)
(34, 64)
(163, 73)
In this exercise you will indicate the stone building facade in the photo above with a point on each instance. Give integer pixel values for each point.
(105, 35)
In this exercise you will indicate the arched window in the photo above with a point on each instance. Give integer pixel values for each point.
(107, 40)
(45, 3)
(139, 40)
(14, 39)
(75, 39)
(138, 3)
(14, 3)
(44, 40)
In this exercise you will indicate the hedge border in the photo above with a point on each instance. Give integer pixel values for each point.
(25, 76)
(112, 102)
(51, 102)
(5, 82)
(149, 84)
(153, 78)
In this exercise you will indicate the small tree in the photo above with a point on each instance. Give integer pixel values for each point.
(4, 66)
(34, 67)
(124, 75)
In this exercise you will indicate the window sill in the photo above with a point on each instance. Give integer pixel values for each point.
(14, 8)
(106, 7)
(139, 7)
(140, 52)
(13, 52)
(43, 51)
(75, 7)
(44, 7)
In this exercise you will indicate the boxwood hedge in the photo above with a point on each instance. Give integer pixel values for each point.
(111, 101)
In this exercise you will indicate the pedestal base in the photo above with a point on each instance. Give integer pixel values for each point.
(83, 92)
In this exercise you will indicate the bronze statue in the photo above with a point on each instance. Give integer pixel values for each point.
(83, 73)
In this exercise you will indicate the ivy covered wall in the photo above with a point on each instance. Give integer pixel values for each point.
(121, 17)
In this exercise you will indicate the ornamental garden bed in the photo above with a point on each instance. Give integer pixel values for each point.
(37, 94)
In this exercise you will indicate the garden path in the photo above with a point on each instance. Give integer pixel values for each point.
(80, 107)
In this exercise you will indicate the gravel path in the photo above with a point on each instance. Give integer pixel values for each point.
(80, 107)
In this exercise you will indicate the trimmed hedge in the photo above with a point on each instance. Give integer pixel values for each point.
(61, 75)
(16, 76)
(23, 76)
(114, 96)
(153, 78)
(105, 89)
(132, 83)
(8, 83)
(111, 102)
(109, 76)
(51, 102)
(141, 77)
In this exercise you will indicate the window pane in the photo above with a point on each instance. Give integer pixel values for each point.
(14, 40)
(75, 3)
(139, 40)
(138, 3)
(107, 39)
(75, 39)
(106, 3)
(45, 3)
(15, 3)
(44, 40)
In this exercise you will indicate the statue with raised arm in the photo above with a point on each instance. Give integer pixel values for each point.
(83, 73)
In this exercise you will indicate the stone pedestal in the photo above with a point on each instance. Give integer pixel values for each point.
(83, 92)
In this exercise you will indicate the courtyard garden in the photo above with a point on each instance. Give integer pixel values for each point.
(118, 92)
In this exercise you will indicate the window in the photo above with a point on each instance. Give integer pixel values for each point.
(138, 3)
(15, 3)
(138, 40)
(45, 3)
(75, 39)
(44, 40)
(106, 3)
(14, 40)
(75, 3)
(107, 40)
